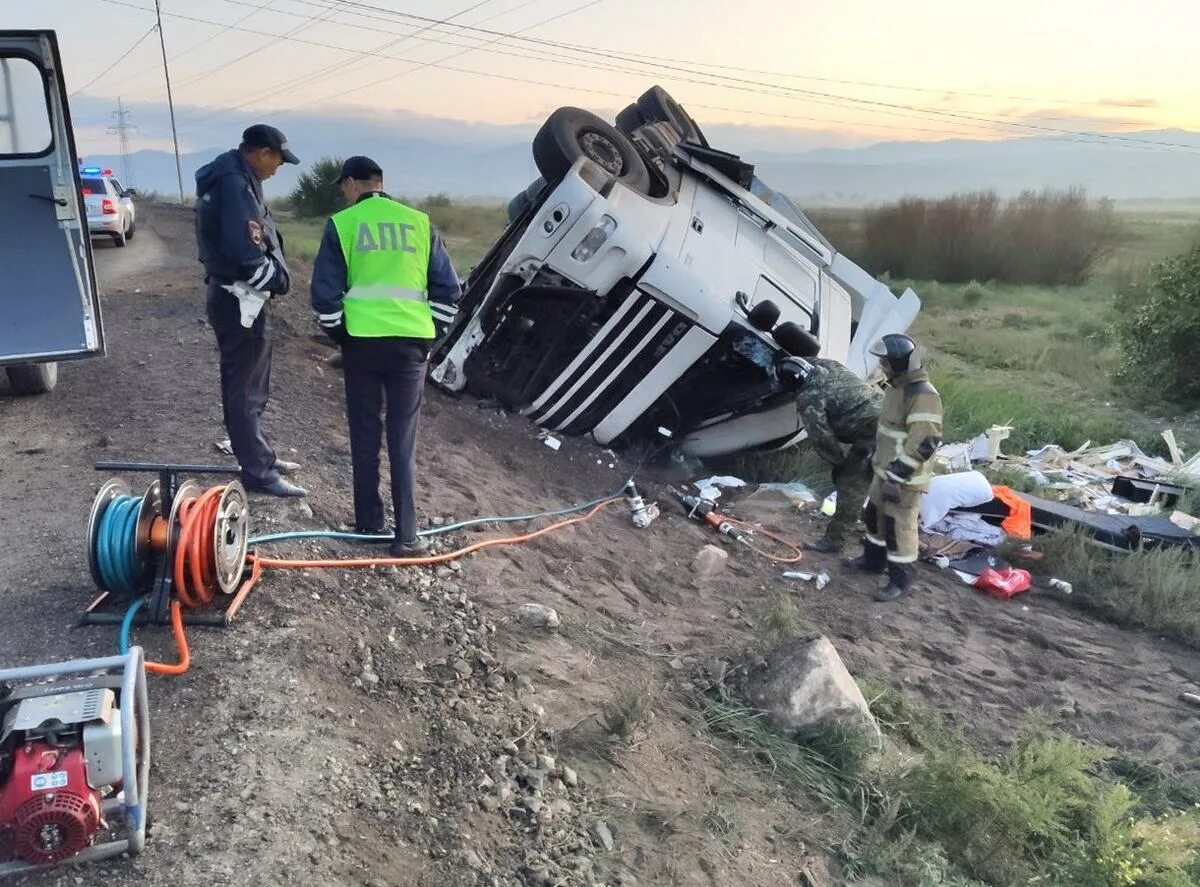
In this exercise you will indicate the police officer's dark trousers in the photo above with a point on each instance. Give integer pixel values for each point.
(245, 384)
(375, 370)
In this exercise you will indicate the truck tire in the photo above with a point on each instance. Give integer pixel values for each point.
(33, 378)
(656, 105)
(630, 120)
(570, 133)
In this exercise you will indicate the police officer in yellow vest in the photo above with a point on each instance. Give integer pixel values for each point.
(382, 285)
(909, 433)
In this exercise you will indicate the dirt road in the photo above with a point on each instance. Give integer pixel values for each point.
(384, 727)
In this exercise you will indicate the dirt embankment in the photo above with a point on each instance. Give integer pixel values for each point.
(397, 727)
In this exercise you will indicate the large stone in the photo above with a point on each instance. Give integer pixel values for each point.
(804, 689)
(710, 561)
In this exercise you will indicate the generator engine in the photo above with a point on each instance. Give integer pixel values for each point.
(60, 755)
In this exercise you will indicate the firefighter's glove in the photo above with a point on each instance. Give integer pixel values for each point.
(899, 471)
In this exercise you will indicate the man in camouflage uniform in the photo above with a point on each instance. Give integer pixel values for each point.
(910, 431)
(840, 412)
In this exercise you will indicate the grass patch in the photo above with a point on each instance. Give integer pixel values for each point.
(799, 463)
(722, 822)
(1155, 589)
(627, 713)
(782, 620)
(1050, 810)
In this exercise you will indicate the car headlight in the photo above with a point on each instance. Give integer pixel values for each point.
(594, 239)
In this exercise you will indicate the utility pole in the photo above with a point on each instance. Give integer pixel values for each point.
(122, 128)
(170, 101)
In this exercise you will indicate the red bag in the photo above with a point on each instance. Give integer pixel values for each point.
(1004, 583)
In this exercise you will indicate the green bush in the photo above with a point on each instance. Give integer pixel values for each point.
(317, 194)
(1158, 330)
(973, 293)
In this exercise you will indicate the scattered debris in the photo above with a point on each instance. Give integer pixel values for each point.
(710, 488)
(804, 689)
(1191, 698)
(224, 446)
(804, 576)
(551, 441)
(1062, 585)
(796, 492)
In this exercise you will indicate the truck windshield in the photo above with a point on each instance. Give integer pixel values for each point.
(784, 207)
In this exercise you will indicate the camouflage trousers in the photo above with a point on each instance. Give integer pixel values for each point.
(851, 480)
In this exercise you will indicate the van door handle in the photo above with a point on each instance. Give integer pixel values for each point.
(58, 201)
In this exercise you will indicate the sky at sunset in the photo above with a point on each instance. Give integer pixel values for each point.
(867, 71)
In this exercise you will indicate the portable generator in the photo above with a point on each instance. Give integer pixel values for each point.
(74, 761)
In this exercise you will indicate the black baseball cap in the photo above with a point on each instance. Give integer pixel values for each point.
(260, 135)
(362, 168)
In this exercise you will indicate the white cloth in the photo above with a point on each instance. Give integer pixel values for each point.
(250, 300)
(969, 528)
(950, 491)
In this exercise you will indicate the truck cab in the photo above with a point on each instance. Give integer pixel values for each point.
(49, 303)
(649, 283)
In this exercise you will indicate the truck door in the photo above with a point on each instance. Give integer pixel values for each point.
(49, 306)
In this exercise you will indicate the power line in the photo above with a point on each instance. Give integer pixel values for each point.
(120, 59)
(437, 62)
(329, 69)
(742, 85)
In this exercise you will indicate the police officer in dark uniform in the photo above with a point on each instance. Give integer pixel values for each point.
(382, 285)
(244, 266)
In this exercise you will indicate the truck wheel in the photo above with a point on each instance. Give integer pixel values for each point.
(656, 105)
(630, 120)
(34, 378)
(569, 133)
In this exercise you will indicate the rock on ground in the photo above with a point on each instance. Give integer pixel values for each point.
(805, 688)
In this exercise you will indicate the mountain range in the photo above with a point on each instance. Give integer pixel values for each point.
(423, 155)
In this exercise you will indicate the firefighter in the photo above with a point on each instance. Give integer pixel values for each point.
(840, 413)
(382, 286)
(244, 266)
(910, 431)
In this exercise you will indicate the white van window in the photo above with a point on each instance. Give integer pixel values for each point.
(24, 113)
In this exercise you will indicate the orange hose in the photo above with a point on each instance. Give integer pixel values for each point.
(434, 559)
(195, 583)
(799, 554)
(185, 655)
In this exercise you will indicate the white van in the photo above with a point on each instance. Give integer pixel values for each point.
(649, 281)
(49, 307)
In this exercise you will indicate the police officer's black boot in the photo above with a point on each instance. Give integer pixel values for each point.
(899, 582)
(872, 560)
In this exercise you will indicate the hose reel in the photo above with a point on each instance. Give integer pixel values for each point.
(176, 542)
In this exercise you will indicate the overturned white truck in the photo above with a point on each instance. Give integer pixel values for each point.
(647, 281)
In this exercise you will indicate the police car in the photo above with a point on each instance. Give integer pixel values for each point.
(650, 283)
(110, 209)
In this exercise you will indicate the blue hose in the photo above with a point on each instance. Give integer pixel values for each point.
(116, 548)
(436, 531)
(127, 624)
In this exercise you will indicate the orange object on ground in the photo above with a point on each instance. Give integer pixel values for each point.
(1019, 523)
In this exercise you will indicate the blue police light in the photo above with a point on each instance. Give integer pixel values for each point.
(91, 170)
